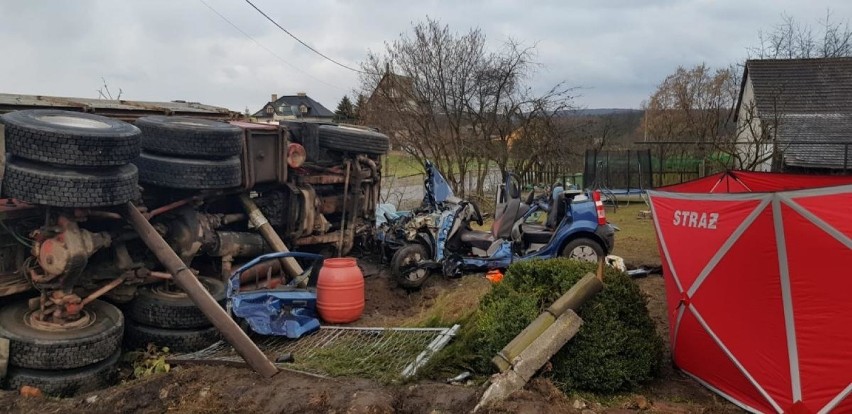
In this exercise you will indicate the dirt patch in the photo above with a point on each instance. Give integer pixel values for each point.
(208, 389)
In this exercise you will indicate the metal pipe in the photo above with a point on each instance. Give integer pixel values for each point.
(168, 207)
(160, 275)
(104, 289)
(199, 295)
(256, 217)
(343, 216)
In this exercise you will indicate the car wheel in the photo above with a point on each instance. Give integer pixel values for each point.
(190, 137)
(405, 269)
(583, 249)
(38, 345)
(70, 138)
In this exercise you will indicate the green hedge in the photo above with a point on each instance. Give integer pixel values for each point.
(617, 347)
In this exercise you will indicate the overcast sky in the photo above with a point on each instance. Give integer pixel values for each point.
(617, 51)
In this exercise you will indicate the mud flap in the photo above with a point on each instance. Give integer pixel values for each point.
(4, 357)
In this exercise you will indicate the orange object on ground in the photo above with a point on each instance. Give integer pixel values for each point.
(340, 291)
(494, 276)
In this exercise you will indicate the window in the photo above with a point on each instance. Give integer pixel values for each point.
(269, 110)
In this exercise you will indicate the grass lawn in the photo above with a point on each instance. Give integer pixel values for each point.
(636, 242)
(401, 165)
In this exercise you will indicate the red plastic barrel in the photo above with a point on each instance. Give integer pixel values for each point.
(340, 291)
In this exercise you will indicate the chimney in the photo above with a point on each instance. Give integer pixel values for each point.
(302, 94)
(274, 97)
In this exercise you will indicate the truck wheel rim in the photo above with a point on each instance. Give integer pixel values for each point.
(74, 122)
(86, 318)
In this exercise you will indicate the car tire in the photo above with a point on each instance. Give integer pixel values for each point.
(583, 248)
(44, 184)
(67, 382)
(190, 137)
(70, 138)
(354, 140)
(34, 348)
(188, 174)
(138, 336)
(154, 307)
(403, 266)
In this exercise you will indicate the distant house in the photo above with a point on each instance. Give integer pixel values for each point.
(298, 106)
(796, 114)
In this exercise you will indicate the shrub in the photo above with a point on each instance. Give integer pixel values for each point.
(616, 349)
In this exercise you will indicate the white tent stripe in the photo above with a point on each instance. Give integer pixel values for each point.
(728, 244)
(735, 360)
(828, 228)
(663, 242)
(680, 311)
(736, 402)
(837, 400)
(787, 299)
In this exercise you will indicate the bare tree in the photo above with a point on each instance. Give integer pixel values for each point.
(791, 39)
(104, 92)
(446, 97)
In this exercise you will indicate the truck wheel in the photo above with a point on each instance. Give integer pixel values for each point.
(156, 306)
(64, 187)
(583, 249)
(138, 336)
(404, 266)
(70, 138)
(189, 174)
(95, 337)
(68, 382)
(352, 140)
(190, 137)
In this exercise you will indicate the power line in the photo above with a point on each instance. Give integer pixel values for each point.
(271, 52)
(300, 40)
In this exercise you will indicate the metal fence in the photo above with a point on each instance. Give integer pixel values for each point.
(379, 353)
(674, 162)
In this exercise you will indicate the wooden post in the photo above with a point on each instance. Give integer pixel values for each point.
(528, 362)
(585, 288)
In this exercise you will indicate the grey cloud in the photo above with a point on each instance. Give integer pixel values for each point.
(616, 50)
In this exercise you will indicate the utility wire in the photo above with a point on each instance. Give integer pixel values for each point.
(300, 40)
(271, 52)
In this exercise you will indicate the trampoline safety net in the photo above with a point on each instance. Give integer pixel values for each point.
(628, 169)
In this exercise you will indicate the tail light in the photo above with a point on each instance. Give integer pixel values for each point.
(296, 155)
(599, 207)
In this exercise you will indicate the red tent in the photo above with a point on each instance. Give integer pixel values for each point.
(758, 270)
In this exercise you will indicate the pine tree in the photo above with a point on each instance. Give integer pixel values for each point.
(360, 106)
(345, 113)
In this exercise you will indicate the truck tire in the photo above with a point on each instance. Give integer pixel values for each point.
(30, 347)
(68, 382)
(353, 140)
(65, 187)
(188, 174)
(138, 336)
(190, 137)
(70, 138)
(154, 307)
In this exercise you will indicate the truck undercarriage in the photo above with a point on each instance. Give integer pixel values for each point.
(218, 193)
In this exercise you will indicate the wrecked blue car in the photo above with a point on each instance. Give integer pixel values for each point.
(438, 236)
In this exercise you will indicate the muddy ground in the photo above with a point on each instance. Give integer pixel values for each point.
(217, 389)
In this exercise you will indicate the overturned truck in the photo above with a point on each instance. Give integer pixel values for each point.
(69, 256)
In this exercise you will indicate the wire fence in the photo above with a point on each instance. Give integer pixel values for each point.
(384, 354)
